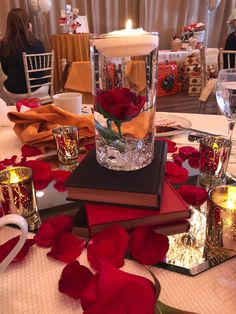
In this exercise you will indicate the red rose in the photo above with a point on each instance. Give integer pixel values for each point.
(119, 104)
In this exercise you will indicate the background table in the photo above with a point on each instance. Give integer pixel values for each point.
(72, 48)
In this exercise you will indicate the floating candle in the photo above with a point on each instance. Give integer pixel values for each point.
(127, 42)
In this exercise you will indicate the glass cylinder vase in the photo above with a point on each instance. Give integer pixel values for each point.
(124, 78)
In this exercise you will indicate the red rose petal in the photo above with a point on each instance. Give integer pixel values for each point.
(147, 246)
(194, 159)
(171, 146)
(177, 158)
(175, 174)
(42, 184)
(59, 186)
(45, 235)
(61, 175)
(74, 279)
(41, 169)
(66, 247)
(114, 291)
(61, 223)
(51, 227)
(30, 103)
(27, 151)
(10, 244)
(186, 151)
(109, 245)
(8, 162)
(193, 195)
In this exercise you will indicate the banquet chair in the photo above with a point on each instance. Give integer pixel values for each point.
(65, 68)
(39, 70)
(227, 59)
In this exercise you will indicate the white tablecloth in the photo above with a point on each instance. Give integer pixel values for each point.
(32, 285)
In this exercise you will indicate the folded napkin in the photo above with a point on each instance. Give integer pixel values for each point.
(136, 74)
(79, 79)
(34, 127)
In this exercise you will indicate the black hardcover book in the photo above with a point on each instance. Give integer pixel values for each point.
(92, 182)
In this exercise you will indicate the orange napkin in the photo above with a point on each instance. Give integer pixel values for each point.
(34, 127)
(79, 77)
(141, 125)
(136, 74)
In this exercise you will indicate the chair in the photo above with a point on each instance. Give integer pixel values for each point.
(227, 59)
(39, 70)
(77, 78)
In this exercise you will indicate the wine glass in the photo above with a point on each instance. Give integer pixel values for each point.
(226, 96)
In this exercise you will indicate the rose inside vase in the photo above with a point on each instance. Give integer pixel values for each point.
(124, 130)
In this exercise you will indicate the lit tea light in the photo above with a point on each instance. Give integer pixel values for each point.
(230, 200)
(127, 42)
(14, 177)
(227, 200)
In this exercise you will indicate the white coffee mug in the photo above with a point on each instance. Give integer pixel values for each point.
(21, 222)
(71, 102)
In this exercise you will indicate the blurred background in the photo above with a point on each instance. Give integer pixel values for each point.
(164, 16)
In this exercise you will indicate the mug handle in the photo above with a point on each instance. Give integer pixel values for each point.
(21, 222)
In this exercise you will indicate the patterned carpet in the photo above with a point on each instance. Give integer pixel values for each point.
(184, 103)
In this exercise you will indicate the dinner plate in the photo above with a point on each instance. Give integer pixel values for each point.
(183, 121)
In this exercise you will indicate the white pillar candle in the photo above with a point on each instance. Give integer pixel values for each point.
(127, 42)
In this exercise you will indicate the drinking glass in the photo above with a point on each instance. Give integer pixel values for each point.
(226, 96)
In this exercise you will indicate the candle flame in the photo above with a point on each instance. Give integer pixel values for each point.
(14, 178)
(230, 204)
(128, 24)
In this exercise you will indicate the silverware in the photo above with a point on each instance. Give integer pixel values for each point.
(231, 176)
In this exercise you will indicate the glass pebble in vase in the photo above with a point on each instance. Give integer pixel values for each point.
(124, 77)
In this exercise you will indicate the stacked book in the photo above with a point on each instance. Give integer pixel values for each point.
(127, 198)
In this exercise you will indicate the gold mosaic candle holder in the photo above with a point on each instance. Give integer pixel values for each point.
(17, 195)
(67, 140)
(221, 218)
(215, 153)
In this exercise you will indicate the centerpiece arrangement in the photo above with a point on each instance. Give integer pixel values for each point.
(124, 116)
(69, 19)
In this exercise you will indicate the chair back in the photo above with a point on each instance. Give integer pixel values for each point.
(227, 59)
(39, 73)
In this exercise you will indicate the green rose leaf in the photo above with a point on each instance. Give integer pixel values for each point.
(110, 137)
(161, 308)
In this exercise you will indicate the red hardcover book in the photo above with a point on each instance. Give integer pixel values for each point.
(173, 209)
